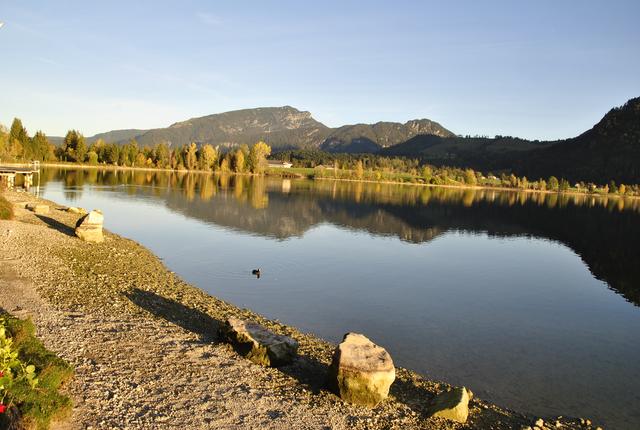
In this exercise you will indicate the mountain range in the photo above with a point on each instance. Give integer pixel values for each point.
(610, 150)
(281, 127)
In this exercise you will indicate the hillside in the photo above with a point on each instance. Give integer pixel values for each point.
(610, 150)
(281, 127)
(360, 138)
(109, 136)
(116, 135)
(481, 153)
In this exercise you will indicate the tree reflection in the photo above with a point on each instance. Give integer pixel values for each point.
(603, 231)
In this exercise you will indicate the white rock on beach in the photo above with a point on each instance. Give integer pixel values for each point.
(452, 405)
(361, 371)
(89, 227)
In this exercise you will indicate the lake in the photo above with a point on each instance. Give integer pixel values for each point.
(530, 300)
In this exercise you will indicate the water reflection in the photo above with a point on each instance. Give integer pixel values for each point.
(604, 231)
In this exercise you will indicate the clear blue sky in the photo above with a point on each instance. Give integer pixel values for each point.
(536, 69)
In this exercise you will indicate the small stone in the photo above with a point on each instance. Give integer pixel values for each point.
(38, 208)
(258, 344)
(361, 372)
(75, 210)
(452, 405)
(539, 422)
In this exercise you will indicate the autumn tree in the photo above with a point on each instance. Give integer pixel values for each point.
(427, 173)
(190, 156)
(470, 177)
(258, 157)
(238, 161)
(359, 170)
(207, 157)
(92, 157)
(622, 189)
(225, 164)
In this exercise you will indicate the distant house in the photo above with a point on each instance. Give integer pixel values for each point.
(279, 164)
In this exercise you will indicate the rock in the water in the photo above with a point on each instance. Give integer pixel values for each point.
(361, 371)
(38, 208)
(89, 227)
(452, 405)
(259, 344)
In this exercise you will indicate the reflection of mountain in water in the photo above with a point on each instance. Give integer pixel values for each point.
(605, 233)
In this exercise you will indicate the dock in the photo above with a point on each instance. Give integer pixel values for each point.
(9, 171)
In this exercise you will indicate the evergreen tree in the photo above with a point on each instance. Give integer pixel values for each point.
(41, 148)
(161, 155)
(74, 147)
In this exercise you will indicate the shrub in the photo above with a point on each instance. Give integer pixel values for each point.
(6, 208)
(31, 376)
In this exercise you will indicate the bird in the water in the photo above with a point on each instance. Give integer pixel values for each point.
(256, 272)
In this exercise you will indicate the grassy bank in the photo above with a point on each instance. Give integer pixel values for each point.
(6, 208)
(30, 378)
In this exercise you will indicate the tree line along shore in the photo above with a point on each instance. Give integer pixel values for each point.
(16, 145)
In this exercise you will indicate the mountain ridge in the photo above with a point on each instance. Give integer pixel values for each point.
(283, 127)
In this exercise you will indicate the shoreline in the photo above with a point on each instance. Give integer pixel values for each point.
(278, 173)
(119, 286)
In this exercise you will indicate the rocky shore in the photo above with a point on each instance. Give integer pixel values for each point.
(147, 351)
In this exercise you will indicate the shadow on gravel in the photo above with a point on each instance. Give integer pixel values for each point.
(188, 318)
(57, 225)
(305, 369)
(415, 397)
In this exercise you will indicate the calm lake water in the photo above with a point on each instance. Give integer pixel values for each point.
(532, 301)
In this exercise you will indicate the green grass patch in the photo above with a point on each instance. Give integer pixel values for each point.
(38, 404)
(6, 208)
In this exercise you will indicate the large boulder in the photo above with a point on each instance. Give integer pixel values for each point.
(258, 344)
(452, 404)
(89, 227)
(361, 371)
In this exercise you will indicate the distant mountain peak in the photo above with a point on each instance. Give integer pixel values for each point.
(283, 127)
(374, 137)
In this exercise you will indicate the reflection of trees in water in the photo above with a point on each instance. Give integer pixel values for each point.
(603, 231)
